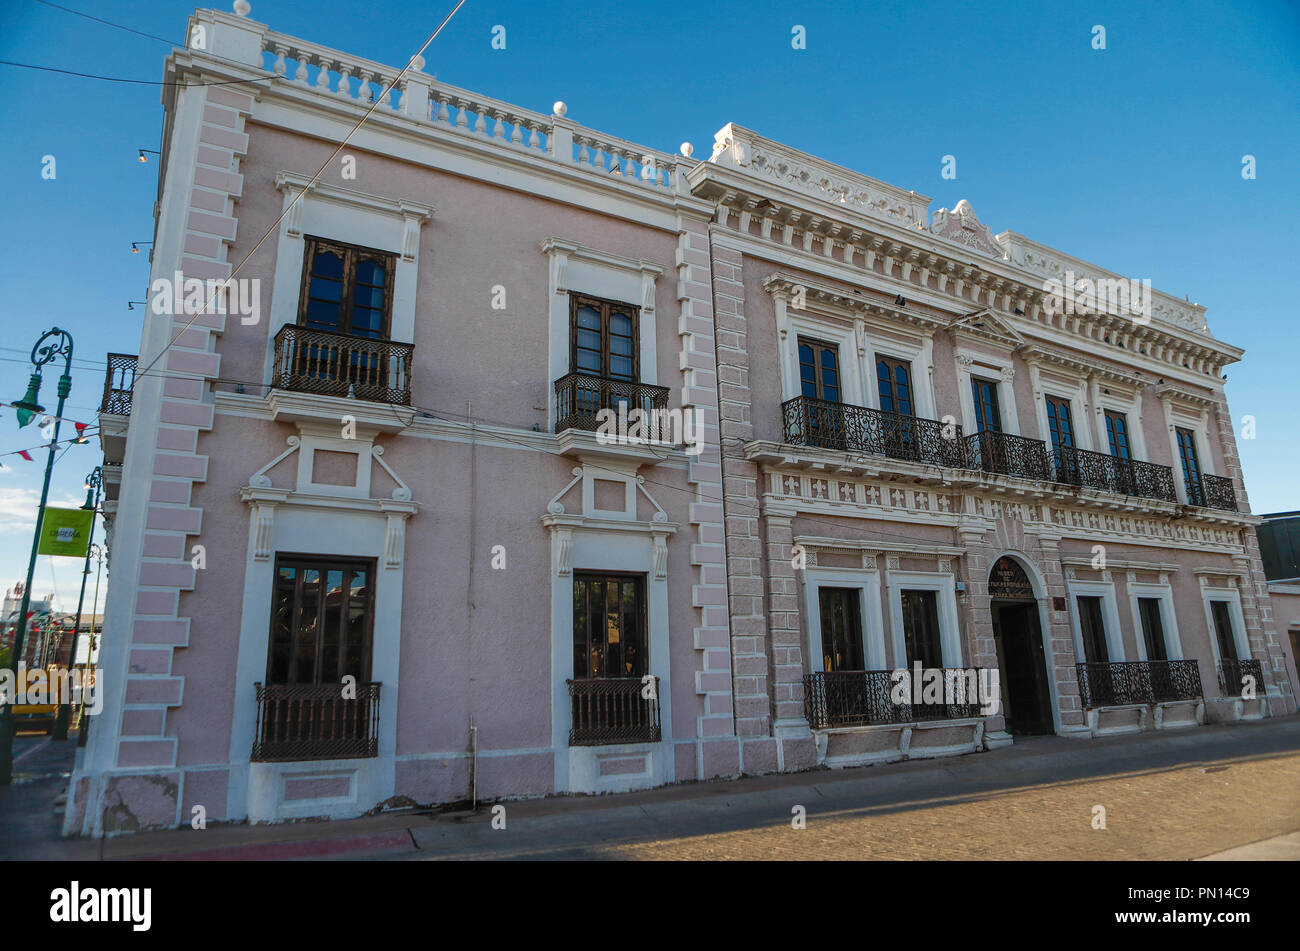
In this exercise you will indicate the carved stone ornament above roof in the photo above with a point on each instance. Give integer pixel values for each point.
(986, 325)
(739, 148)
(962, 226)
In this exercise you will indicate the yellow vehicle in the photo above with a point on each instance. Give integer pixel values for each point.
(37, 717)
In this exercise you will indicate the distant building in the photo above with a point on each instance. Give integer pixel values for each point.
(1279, 548)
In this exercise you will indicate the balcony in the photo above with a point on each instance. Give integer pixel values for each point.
(613, 710)
(1146, 682)
(1095, 470)
(822, 424)
(580, 397)
(119, 381)
(843, 698)
(1233, 674)
(1211, 491)
(331, 364)
(314, 722)
(1006, 454)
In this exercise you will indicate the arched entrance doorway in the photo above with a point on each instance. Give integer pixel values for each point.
(1018, 636)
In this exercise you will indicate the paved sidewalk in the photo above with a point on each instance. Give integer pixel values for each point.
(1227, 791)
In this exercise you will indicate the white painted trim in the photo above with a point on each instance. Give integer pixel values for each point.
(583, 270)
(867, 583)
(348, 217)
(945, 586)
(1239, 637)
(1109, 615)
(1164, 593)
(1005, 379)
(809, 325)
(300, 529)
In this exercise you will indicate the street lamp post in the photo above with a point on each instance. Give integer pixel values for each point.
(83, 724)
(94, 482)
(59, 345)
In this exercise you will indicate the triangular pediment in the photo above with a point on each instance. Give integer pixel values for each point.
(987, 325)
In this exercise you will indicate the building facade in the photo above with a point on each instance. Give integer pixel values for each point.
(376, 545)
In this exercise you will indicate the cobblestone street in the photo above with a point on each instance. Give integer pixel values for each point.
(1176, 796)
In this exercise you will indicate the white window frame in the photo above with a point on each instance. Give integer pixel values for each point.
(582, 270)
(1233, 598)
(1131, 409)
(919, 358)
(1109, 616)
(822, 331)
(1004, 374)
(1077, 411)
(349, 217)
(867, 583)
(1164, 593)
(945, 584)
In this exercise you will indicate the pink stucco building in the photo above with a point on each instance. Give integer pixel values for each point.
(371, 549)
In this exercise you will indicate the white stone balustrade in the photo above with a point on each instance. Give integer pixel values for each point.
(447, 108)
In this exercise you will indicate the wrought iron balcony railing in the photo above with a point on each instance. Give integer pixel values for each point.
(614, 710)
(119, 381)
(1097, 470)
(1233, 674)
(315, 722)
(1006, 454)
(824, 424)
(580, 397)
(1138, 681)
(1211, 491)
(320, 361)
(862, 697)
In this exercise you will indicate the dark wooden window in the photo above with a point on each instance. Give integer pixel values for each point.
(819, 370)
(1093, 629)
(894, 378)
(1191, 465)
(841, 620)
(609, 626)
(1223, 630)
(346, 289)
(1059, 424)
(604, 336)
(988, 415)
(1117, 434)
(1153, 629)
(921, 628)
(322, 618)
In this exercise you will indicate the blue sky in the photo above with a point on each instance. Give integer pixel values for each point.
(1128, 157)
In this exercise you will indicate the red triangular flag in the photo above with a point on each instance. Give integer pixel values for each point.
(81, 433)
(24, 453)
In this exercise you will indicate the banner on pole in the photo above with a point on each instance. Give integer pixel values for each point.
(66, 532)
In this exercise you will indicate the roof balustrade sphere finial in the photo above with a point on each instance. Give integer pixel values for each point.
(242, 8)
(687, 149)
(560, 108)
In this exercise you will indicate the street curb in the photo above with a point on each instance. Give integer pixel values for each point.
(306, 849)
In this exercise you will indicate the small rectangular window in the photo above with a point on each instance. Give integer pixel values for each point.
(1223, 630)
(605, 338)
(921, 628)
(841, 623)
(1093, 630)
(609, 626)
(1191, 466)
(819, 370)
(1059, 424)
(988, 415)
(346, 289)
(1153, 630)
(1117, 434)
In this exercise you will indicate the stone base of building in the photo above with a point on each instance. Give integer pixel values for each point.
(891, 742)
(1139, 717)
(1232, 709)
